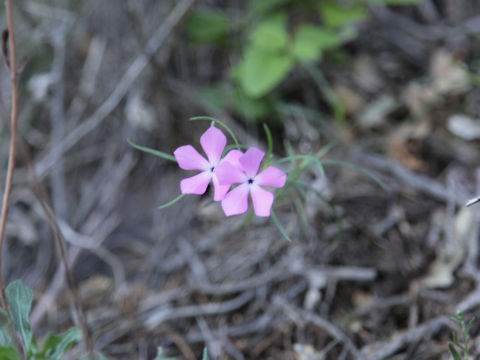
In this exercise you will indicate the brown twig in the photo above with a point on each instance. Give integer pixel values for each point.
(43, 198)
(10, 61)
(12, 66)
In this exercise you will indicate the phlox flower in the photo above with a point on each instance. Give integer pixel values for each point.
(213, 142)
(242, 169)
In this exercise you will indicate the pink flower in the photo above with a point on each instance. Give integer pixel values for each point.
(242, 169)
(213, 142)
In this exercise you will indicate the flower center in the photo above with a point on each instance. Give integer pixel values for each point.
(250, 181)
(212, 168)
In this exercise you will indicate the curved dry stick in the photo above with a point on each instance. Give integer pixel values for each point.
(12, 66)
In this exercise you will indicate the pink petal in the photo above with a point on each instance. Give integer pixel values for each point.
(271, 176)
(196, 184)
(232, 157)
(251, 160)
(229, 174)
(189, 159)
(236, 201)
(262, 200)
(213, 142)
(220, 190)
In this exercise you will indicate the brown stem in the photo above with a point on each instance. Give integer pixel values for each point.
(12, 64)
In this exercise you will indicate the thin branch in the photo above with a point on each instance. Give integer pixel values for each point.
(121, 89)
(12, 66)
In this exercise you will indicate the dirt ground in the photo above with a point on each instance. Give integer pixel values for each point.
(371, 271)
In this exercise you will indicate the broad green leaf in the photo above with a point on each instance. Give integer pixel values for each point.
(258, 9)
(260, 71)
(208, 25)
(19, 298)
(251, 109)
(311, 40)
(152, 151)
(5, 338)
(336, 15)
(160, 355)
(56, 345)
(205, 354)
(271, 34)
(9, 353)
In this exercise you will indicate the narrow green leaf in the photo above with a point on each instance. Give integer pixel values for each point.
(222, 124)
(279, 226)
(160, 355)
(205, 354)
(454, 352)
(296, 196)
(98, 356)
(19, 298)
(269, 145)
(454, 337)
(326, 91)
(364, 172)
(152, 151)
(334, 211)
(170, 203)
(392, 2)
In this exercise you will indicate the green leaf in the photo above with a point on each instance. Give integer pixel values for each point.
(205, 354)
(9, 353)
(152, 151)
(258, 9)
(251, 109)
(56, 345)
(260, 71)
(208, 25)
(5, 330)
(311, 40)
(454, 352)
(269, 146)
(170, 203)
(279, 225)
(336, 15)
(364, 172)
(271, 34)
(19, 298)
(160, 355)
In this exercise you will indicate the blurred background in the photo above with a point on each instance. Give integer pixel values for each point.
(390, 87)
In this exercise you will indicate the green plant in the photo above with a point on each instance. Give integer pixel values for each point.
(278, 36)
(292, 189)
(455, 344)
(19, 299)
